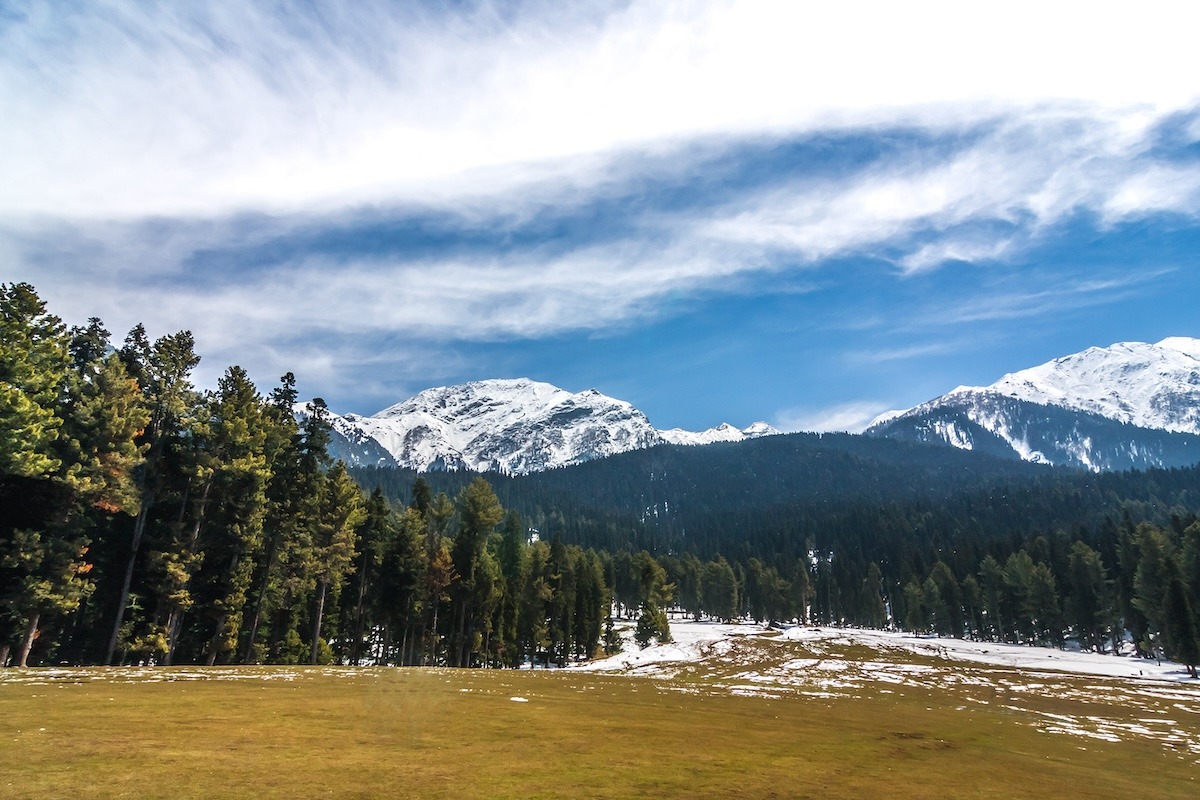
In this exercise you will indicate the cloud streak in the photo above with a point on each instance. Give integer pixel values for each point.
(114, 110)
(852, 417)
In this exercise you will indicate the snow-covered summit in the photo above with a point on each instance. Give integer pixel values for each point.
(1131, 404)
(1148, 385)
(722, 433)
(518, 426)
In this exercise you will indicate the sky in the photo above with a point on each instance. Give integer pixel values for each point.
(717, 211)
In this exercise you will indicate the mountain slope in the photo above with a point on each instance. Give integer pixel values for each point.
(1130, 405)
(772, 495)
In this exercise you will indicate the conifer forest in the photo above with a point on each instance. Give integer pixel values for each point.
(144, 520)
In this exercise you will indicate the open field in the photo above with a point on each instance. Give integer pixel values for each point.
(800, 715)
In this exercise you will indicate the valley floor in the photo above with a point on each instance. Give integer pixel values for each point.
(725, 711)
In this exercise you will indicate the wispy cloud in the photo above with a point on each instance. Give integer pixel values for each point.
(907, 353)
(1064, 296)
(852, 417)
(123, 109)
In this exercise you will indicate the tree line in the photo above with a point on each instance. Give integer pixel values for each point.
(145, 521)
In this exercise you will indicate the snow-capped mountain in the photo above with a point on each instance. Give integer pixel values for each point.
(1130, 405)
(515, 425)
(356, 447)
(722, 433)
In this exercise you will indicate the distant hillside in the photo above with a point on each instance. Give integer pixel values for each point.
(778, 494)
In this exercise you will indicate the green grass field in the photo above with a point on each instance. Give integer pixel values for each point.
(350, 733)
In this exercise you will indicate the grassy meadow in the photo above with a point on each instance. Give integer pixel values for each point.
(696, 731)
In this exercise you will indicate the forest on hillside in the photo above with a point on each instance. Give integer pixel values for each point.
(143, 520)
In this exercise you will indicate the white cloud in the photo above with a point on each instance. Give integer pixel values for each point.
(965, 248)
(852, 417)
(1028, 172)
(1157, 188)
(123, 111)
(907, 353)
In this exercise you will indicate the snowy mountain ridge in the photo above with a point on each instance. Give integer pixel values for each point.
(1148, 385)
(1131, 404)
(515, 426)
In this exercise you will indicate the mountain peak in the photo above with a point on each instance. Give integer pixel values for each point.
(1131, 382)
(518, 425)
(1184, 344)
(1104, 407)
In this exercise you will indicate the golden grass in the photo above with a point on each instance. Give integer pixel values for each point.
(458, 734)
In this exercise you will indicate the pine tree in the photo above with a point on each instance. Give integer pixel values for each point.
(1180, 635)
(340, 514)
(45, 572)
(991, 583)
(656, 593)
(510, 554)
(943, 598)
(1154, 569)
(875, 611)
(289, 493)
(162, 374)
(479, 513)
(233, 533)
(397, 594)
(375, 539)
(105, 415)
(34, 365)
(69, 417)
(720, 590)
(294, 582)
(915, 617)
(1089, 598)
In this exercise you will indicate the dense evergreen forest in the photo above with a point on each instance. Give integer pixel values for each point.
(144, 521)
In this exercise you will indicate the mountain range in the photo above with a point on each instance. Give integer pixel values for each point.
(513, 426)
(1131, 405)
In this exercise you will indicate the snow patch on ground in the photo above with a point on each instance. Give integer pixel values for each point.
(1002, 655)
(693, 642)
(1118, 697)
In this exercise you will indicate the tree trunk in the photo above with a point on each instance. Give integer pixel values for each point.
(216, 639)
(138, 528)
(214, 644)
(316, 640)
(174, 624)
(356, 647)
(258, 603)
(27, 643)
(433, 636)
(410, 630)
(462, 647)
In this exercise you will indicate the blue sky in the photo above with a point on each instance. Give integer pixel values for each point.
(718, 211)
